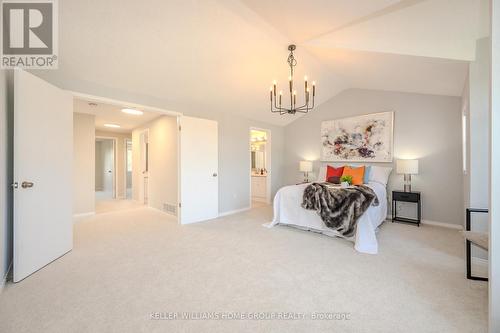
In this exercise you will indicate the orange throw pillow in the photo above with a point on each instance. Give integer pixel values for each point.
(356, 173)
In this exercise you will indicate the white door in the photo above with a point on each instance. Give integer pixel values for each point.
(43, 154)
(199, 170)
(109, 167)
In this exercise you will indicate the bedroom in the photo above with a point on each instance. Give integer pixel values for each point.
(429, 64)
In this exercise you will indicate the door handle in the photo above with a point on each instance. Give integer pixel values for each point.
(26, 184)
(215, 174)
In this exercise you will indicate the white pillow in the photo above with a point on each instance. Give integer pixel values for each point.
(380, 174)
(321, 174)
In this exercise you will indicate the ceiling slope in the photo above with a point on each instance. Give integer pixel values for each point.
(433, 28)
(206, 56)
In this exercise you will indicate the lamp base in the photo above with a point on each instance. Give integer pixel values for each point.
(407, 184)
(306, 177)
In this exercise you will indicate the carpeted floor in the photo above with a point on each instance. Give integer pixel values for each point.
(111, 205)
(129, 265)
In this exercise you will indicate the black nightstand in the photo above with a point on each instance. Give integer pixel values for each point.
(406, 197)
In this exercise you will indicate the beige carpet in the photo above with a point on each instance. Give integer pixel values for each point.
(128, 264)
(111, 205)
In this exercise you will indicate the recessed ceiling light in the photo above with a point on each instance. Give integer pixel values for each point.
(132, 111)
(112, 125)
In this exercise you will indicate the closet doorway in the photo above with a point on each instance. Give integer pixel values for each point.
(105, 161)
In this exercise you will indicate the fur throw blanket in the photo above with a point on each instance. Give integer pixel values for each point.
(340, 208)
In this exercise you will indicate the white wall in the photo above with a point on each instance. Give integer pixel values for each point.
(121, 166)
(234, 159)
(426, 127)
(475, 103)
(494, 253)
(83, 163)
(163, 169)
(478, 143)
(6, 128)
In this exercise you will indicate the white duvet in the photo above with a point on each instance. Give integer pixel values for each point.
(288, 211)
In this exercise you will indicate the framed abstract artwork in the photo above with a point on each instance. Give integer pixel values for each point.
(366, 138)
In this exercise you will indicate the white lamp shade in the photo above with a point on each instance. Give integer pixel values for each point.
(306, 166)
(407, 167)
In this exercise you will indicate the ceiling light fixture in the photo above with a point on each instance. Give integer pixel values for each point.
(133, 111)
(112, 125)
(276, 101)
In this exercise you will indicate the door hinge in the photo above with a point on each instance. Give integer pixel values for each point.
(180, 205)
(179, 127)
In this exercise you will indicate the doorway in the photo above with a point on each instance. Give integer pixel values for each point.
(260, 167)
(105, 161)
(128, 169)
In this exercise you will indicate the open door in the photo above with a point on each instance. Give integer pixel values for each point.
(199, 170)
(43, 155)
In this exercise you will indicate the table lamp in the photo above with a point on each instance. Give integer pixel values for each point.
(306, 167)
(407, 168)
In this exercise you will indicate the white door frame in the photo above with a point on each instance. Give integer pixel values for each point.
(125, 163)
(141, 184)
(101, 99)
(268, 164)
(115, 174)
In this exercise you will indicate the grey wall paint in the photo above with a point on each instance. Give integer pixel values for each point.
(83, 163)
(426, 127)
(6, 173)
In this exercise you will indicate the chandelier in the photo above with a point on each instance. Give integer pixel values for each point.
(276, 100)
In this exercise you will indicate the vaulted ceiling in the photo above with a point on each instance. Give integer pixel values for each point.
(221, 55)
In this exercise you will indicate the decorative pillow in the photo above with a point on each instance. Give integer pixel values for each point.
(368, 170)
(333, 172)
(356, 173)
(380, 174)
(334, 180)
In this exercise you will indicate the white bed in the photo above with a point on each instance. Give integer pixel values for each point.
(288, 211)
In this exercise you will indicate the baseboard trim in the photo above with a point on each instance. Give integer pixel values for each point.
(236, 211)
(4, 279)
(443, 224)
(437, 224)
(82, 215)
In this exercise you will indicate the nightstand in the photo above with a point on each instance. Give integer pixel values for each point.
(406, 197)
